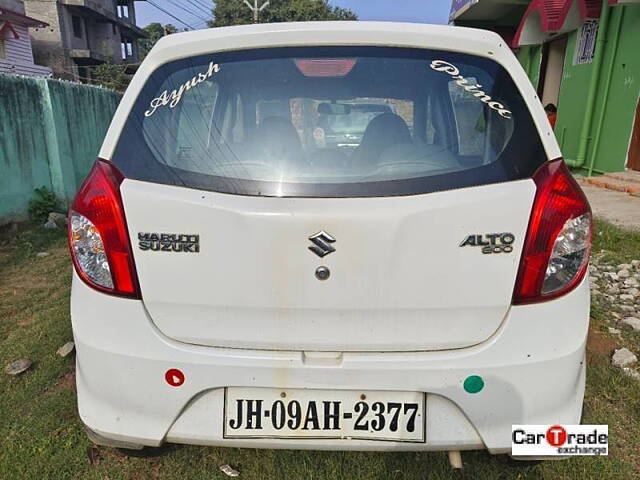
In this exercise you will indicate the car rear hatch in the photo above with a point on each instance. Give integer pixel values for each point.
(234, 200)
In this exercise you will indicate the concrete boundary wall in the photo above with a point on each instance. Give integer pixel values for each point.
(50, 134)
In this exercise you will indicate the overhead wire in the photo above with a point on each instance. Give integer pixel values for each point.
(198, 7)
(190, 12)
(170, 14)
(208, 6)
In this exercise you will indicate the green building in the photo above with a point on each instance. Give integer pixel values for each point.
(582, 56)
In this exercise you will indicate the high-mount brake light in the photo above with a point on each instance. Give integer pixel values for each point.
(98, 236)
(325, 67)
(558, 243)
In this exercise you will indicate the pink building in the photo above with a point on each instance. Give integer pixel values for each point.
(16, 55)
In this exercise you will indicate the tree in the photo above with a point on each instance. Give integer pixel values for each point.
(235, 12)
(155, 31)
(111, 76)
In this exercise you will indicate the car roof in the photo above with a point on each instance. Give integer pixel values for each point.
(420, 35)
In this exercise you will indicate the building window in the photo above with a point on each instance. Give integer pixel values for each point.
(586, 43)
(123, 11)
(77, 26)
(114, 28)
(3, 51)
(126, 48)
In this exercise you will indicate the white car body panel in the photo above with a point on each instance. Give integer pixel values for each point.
(122, 359)
(405, 310)
(399, 278)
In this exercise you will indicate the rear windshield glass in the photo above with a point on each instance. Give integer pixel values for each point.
(329, 122)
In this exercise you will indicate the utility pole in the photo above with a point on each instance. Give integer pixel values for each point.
(255, 9)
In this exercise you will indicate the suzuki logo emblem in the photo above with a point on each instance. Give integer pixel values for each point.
(322, 244)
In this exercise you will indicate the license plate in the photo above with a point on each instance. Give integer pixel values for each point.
(350, 414)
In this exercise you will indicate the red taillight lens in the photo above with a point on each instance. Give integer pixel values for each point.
(558, 243)
(325, 67)
(98, 235)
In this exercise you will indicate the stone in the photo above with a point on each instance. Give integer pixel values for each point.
(633, 322)
(613, 290)
(66, 349)
(631, 373)
(59, 219)
(612, 276)
(18, 367)
(635, 263)
(615, 331)
(625, 266)
(626, 297)
(50, 225)
(624, 273)
(627, 308)
(623, 357)
(634, 292)
(229, 471)
(42, 254)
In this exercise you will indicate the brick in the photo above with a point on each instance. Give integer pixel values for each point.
(610, 183)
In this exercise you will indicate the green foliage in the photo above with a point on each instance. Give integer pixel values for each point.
(43, 202)
(111, 76)
(235, 12)
(155, 31)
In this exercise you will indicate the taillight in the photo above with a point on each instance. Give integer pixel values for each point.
(98, 236)
(558, 243)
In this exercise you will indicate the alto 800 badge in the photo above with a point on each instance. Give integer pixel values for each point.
(491, 242)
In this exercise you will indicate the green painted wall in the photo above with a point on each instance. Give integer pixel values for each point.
(50, 134)
(619, 102)
(530, 57)
(571, 102)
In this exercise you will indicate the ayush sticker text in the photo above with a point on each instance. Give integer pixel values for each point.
(172, 99)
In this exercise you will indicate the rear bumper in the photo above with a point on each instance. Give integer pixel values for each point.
(533, 368)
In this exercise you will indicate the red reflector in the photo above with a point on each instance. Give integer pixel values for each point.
(174, 377)
(558, 199)
(325, 67)
(99, 201)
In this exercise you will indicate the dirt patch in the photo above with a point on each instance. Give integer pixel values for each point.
(598, 345)
(25, 322)
(68, 382)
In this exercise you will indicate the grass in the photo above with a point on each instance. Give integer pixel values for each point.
(41, 436)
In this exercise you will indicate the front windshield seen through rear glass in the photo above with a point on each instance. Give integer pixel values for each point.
(329, 121)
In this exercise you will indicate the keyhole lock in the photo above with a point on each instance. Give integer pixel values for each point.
(322, 273)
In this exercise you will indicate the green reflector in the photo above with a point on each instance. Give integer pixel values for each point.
(473, 384)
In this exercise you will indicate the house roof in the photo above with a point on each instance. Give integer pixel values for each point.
(16, 18)
(545, 17)
(6, 27)
(531, 22)
(552, 16)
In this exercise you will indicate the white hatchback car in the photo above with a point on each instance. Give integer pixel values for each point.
(240, 281)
